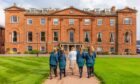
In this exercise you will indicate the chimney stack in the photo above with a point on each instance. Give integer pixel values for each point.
(113, 9)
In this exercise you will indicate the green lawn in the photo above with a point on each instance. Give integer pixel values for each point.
(33, 70)
(23, 70)
(118, 70)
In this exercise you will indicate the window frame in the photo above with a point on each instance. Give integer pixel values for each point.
(29, 37)
(54, 21)
(114, 22)
(55, 36)
(100, 23)
(128, 18)
(43, 36)
(28, 21)
(88, 36)
(41, 21)
(71, 21)
(85, 23)
(12, 19)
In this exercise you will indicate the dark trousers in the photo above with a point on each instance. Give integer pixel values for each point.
(62, 71)
(89, 71)
(53, 69)
(80, 71)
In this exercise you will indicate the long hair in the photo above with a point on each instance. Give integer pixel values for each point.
(89, 50)
(80, 50)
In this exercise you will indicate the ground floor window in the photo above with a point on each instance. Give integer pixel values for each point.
(43, 49)
(14, 49)
(112, 50)
(30, 48)
(127, 51)
(99, 49)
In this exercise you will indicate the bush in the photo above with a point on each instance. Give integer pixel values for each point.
(33, 52)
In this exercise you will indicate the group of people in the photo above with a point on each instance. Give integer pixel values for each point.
(76, 57)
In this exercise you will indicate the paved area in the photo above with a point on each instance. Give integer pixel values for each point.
(73, 79)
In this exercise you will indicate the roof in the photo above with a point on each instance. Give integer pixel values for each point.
(14, 6)
(127, 9)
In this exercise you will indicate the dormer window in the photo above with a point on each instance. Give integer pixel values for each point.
(14, 19)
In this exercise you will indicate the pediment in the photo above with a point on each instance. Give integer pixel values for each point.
(127, 9)
(71, 11)
(14, 8)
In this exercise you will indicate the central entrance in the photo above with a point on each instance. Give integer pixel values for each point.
(67, 46)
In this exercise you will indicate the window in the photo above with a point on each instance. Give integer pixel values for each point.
(99, 22)
(14, 49)
(127, 51)
(112, 22)
(99, 37)
(43, 36)
(87, 21)
(99, 49)
(55, 21)
(112, 37)
(112, 50)
(30, 48)
(42, 21)
(127, 37)
(71, 36)
(43, 49)
(71, 21)
(55, 36)
(14, 36)
(30, 37)
(127, 21)
(14, 19)
(29, 21)
(87, 36)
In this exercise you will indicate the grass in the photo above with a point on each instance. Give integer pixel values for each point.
(118, 70)
(33, 70)
(23, 70)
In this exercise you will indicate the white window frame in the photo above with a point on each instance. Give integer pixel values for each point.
(98, 22)
(127, 18)
(28, 23)
(113, 37)
(40, 36)
(41, 21)
(87, 21)
(101, 37)
(28, 37)
(71, 21)
(88, 35)
(53, 36)
(12, 19)
(112, 22)
(55, 21)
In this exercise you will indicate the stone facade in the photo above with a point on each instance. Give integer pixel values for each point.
(74, 27)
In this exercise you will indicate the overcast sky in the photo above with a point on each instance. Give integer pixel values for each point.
(76, 3)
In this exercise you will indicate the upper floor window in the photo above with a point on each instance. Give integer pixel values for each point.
(127, 37)
(30, 37)
(99, 37)
(87, 36)
(112, 37)
(87, 21)
(29, 21)
(42, 21)
(71, 36)
(127, 21)
(14, 19)
(71, 21)
(55, 36)
(99, 22)
(112, 22)
(55, 21)
(14, 36)
(43, 38)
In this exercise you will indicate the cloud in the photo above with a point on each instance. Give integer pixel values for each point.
(66, 3)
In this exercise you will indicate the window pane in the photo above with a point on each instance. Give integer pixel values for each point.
(14, 36)
(87, 21)
(14, 19)
(30, 36)
(112, 37)
(99, 37)
(29, 21)
(55, 36)
(43, 36)
(127, 21)
(29, 48)
(71, 21)
(99, 22)
(55, 21)
(43, 21)
(112, 22)
(87, 36)
(71, 34)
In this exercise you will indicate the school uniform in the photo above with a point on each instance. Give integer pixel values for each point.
(80, 62)
(89, 63)
(62, 64)
(53, 63)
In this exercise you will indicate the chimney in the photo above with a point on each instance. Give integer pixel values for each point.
(113, 9)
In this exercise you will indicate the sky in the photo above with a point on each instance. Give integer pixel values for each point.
(76, 3)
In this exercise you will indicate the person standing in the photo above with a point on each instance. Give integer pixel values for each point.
(94, 56)
(80, 60)
(72, 58)
(62, 63)
(53, 62)
(89, 61)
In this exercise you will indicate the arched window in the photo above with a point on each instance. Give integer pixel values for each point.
(127, 37)
(99, 37)
(14, 36)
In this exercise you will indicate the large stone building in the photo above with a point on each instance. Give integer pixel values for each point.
(110, 30)
(2, 37)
